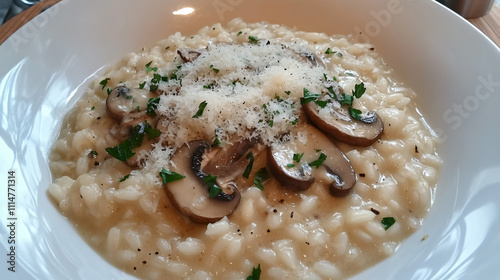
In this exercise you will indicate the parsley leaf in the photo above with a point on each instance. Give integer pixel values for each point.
(216, 141)
(388, 222)
(329, 51)
(93, 107)
(215, 69)
(287, 92)
(253, 39)
(355, 113)
(149, 69)
(345, 99)
(331, 93)
(290, 165)
(170, 176)
(359, 90)
(317, 163)
(239, 33)
(151, 106)
(124, 151)
(201, 108)
(124, 178)
(213, 188)
(255, 273)
(210, 86)
(321, 103)
(141, 86)
(297, 157)
(250, 158)
(260, 177)
(151, 132)
(308, 97)
(104, 82)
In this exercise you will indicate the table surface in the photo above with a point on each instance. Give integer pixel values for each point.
(489, 24)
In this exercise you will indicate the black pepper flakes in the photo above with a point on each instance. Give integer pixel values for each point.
(156, 253)
(375, 211)
(416, 149)
(135, 268)
(138, 249)
(291, 215)
(282, 200)
(144, 262)
(268, 230)
(362, 175)
(307, 243)
(275, 210)
(97, 163)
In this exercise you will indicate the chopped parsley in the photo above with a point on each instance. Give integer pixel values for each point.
(151, 132)
(290, 165)
(255, 273)
(141, 86)
(151, 106)
(94, 153)
(215, 69)
(317, 163)
(173, 76)
(216, 142)
(359, 90)
(124, 151)
(104, 82)
(108, 90)
(213, 188)
(170, 176)
(210, 86)
(294, 122)
(201, 108)
(149, 69)
(248, 169)
(331, 92)
(308, 97)
(345, 99)
(388, 222)
(330, 51)
(355, 113)
(287, 92)
(297, 157)
(124, 178)
(239, 33)
(260, 177)
(253, 39)
(321, 103)
(93, 107)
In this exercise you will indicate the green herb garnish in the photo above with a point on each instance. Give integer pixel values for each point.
(388, 222)
(92, 108)
(149, 69)
(359, 90)
(124, 151)
(290, 165)
(215, 69)
(260, 177)
(250, 158)
(124, 178)
(355, 113)
(321, 103)
(297, 157)
(308, 97)
(210, 86)
(317, 163)
(151, 106)
(141, 86)
(104, 82)
(201, 108)
(255, 273)
(151, 132)
(253, 39)
(239, 33)
(287, 92)
(170, 176)
(213, 188)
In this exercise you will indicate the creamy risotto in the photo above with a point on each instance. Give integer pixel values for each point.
(246, 148)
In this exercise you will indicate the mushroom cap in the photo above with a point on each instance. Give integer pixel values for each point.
(122, 103)
(190, 195)
(341, 126)
(309, 142)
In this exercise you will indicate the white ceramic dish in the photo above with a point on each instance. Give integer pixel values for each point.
(45, 67)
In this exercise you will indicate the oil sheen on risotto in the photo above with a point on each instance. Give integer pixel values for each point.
(244, 147)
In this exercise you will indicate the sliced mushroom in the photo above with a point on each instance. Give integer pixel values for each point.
(190, 195)
(339, 124)
(124, 104)
(309, 143)
(188, 55)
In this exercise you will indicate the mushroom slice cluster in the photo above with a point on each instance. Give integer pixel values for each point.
(191, 194)
(339, 124)
(311, 156)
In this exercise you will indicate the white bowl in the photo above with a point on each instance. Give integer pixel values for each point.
(46, 65)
